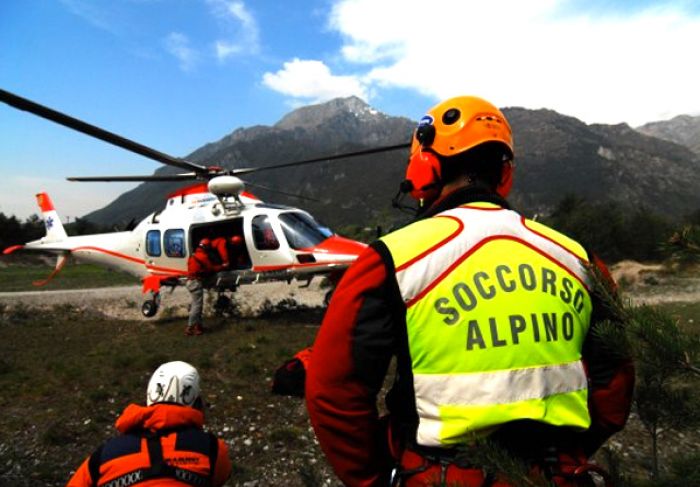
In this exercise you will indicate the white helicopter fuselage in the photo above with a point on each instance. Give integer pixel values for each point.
(275, 245)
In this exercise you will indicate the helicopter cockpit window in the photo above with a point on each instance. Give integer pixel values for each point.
(153, 243)
(263, 235)
(302, 231)
(174, 243)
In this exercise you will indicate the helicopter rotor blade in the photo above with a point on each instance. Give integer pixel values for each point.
(376, 150)
(273, 190)
(153, 177)
(93, 131)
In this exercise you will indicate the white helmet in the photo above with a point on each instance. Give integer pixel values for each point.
(174, 382)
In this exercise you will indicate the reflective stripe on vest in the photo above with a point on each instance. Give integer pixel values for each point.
(497, 309)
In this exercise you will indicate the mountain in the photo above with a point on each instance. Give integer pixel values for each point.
(683, 129)
(556, 156)
(352, 190)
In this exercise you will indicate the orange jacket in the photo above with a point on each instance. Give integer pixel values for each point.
(187, 451)
(221, 246)
(200, 264)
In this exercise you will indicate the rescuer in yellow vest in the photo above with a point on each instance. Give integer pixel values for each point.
(489, 316)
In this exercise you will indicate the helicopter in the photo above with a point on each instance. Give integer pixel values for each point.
(275, 242)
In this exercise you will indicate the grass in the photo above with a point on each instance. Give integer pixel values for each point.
(687, 314)
(72, 276)
(66, 376)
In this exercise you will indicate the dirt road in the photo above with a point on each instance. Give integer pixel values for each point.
(652, 284)
(125, 302)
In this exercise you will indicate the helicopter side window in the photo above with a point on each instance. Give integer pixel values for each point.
(153, 243)
(174, 243)
(263, 234)
(302, 231)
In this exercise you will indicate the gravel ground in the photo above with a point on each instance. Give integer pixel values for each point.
(124, 303)
(652, 284)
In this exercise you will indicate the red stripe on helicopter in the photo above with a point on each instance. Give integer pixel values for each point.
(194, 189)
(202, 188)
(338, 245)
(170, 272)
(132, 259)
(11, 249)
(44, 202)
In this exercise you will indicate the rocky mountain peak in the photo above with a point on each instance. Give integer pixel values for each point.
(683, 129)
(314, 115)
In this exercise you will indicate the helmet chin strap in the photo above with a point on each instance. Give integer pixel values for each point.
(397, 200)
(405, 188)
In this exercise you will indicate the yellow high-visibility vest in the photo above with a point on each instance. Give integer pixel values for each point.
(497, 310)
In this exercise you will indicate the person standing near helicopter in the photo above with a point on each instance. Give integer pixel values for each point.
(204, 262)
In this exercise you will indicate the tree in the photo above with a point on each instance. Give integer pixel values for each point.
(10, 231)
(14, 232)
(610, 230)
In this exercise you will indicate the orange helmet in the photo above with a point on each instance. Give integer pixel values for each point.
(205, 242)
(450, 128)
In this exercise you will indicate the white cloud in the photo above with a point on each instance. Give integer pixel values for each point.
(178, 45)
(238, 19)
(633, 67)
(226, 49)
(97, 15)
(312, 81)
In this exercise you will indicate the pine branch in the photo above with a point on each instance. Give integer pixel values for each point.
(495, 458)
(644, 332)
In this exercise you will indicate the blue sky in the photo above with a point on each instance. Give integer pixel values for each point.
(177, 74)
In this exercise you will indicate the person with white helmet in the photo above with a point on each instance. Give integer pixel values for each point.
(162, 443)
(489, 316)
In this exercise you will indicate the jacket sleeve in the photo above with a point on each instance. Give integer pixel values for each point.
(349, 360)
(222, 470)
(221, 247)
(194, 267)
(81, 478)
(611, 375)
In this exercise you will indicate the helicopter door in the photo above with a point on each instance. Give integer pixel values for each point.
(232, 231)
(271, 251)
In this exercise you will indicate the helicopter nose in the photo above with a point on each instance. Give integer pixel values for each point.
(341, 247)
